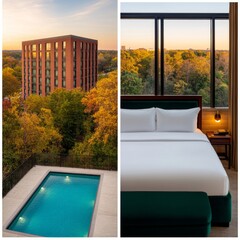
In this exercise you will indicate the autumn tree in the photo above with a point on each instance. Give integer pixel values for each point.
(34, 103)
(107, 61)
(101, 104)
(139, 63)
(128, 62)
(26, 134)
(37, 135)
(10, 82)
(101, 101)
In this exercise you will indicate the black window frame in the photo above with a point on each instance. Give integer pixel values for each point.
(159, 18)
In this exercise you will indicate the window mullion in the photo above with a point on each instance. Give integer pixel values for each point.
(212, 57)
(156, 69)
(162, 57)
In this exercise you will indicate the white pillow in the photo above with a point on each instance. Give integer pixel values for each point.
(184, 120)
(138, 120)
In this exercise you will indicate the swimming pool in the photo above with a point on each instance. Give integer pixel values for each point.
(61, 206)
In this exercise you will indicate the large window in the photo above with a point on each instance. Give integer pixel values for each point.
(137, 57)
(175, 54)
(187, 58)
(221, 62)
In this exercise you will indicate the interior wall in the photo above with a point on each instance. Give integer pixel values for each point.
(209, 123)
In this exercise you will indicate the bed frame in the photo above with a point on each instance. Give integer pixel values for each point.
(220, 205)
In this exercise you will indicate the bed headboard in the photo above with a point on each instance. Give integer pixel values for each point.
(165, 102)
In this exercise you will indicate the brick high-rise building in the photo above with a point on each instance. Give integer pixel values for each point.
(58, 62)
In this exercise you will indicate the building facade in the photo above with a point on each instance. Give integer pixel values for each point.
(59, 62)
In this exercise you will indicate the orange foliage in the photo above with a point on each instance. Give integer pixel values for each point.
(102, 102)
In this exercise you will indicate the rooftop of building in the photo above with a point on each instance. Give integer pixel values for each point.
(73, 37)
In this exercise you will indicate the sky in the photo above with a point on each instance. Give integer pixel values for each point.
(179, 34)
(167, 7)
(33, 19)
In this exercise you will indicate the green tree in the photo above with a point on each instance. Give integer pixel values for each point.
(68, 115)
(131, 84)
(10, 132)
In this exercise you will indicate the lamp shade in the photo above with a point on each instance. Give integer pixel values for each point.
(217, 116)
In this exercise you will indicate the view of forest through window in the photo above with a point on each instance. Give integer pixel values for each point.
(187, 58)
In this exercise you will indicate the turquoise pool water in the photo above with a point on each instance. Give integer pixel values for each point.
(62, 206)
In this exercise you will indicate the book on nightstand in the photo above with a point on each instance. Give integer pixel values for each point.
(221, 132)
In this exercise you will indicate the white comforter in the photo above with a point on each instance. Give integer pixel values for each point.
(160, 161)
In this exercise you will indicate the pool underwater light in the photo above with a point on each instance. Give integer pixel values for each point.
(67, 179)
(21, 219)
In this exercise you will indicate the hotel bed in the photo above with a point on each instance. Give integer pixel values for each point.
(160, 160)
(171, 161)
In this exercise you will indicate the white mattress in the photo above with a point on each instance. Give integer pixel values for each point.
(173, 161)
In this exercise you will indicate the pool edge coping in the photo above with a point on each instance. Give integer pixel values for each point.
(25, 200)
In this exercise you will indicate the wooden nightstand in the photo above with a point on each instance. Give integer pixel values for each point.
(224, 140)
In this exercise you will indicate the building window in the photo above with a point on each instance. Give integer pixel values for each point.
(48, 89)
(56, 45)
(190, 63)
(64, 54)
(74, 45)
(48, 73)
(47, 81)
(40, 89)
(40, 47)
(34, 63)
(48, 46)
(48, 55)
(64, 83)
(34, 88)
(34, 47)
(64, 45)
(34, 54)
(48, 64)
(56, 82)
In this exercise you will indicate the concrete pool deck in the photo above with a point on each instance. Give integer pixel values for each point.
(106, 212)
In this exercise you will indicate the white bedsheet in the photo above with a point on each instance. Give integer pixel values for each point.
(160, 161)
